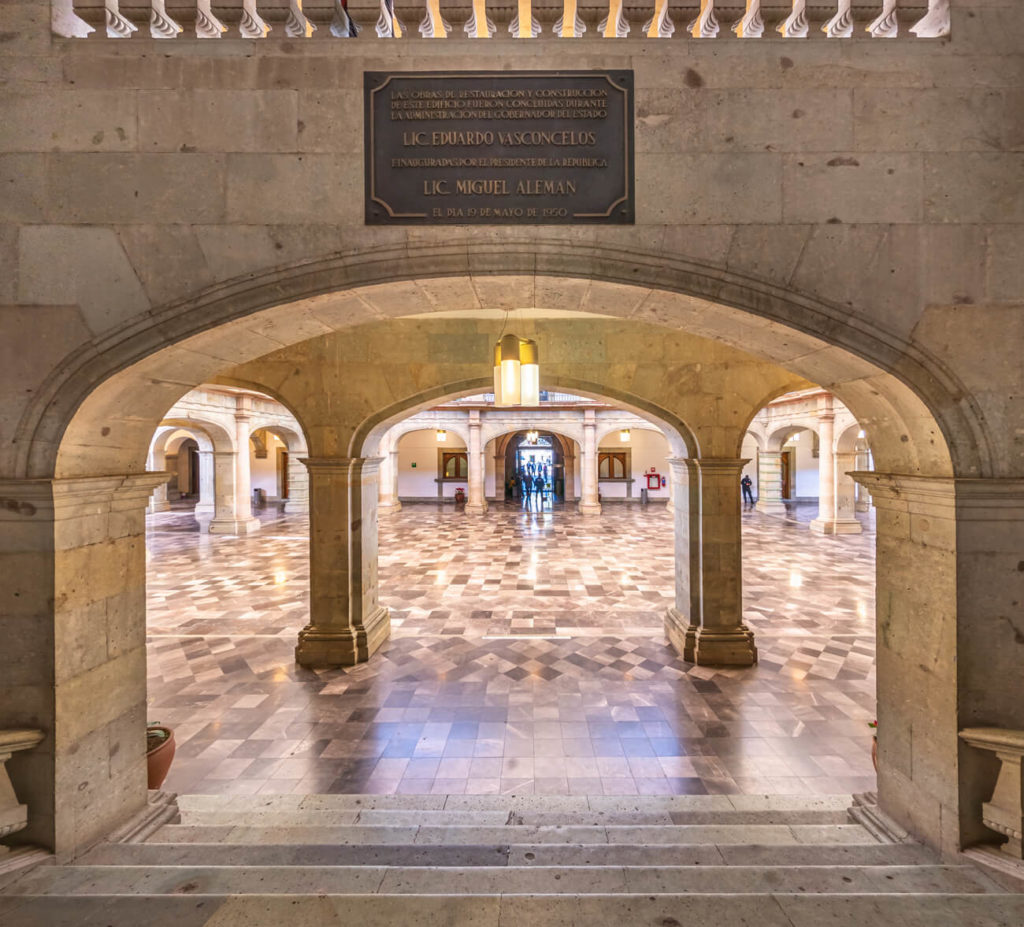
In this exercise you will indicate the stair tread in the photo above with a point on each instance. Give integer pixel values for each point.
(518, 854)
(432, 834)
(556, 879)
(781, 909)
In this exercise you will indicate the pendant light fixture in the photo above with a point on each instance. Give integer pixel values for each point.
(624, 436)
(532, 436)
(516, 371)
(442, 435)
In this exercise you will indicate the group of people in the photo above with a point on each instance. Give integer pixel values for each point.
(531, 481)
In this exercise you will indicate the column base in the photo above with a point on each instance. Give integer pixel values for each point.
(836, 526)
(589, 508)
(389, 508)
(707, 646)
(319, 647)
(162, 506)
(770, 508)
(295, 508)
(234, 526)
(475, 508)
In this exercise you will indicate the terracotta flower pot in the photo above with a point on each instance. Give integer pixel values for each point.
(158, 757)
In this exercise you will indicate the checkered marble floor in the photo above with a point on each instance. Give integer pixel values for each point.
(527, 655)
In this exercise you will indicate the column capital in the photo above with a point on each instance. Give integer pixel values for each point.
(67, 496)
(721, 465)
(367, 465)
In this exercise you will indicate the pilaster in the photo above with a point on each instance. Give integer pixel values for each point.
(769, 483)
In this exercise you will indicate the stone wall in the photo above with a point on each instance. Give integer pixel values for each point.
(849, 210)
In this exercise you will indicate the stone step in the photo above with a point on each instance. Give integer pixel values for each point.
(551, 854)
(461, 835)
(386, 817)
(781, 909)
(500, 880)
(507, 802)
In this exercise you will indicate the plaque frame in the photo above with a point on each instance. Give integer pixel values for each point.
(379, 211)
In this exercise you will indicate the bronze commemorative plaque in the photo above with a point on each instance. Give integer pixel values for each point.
(499, 147)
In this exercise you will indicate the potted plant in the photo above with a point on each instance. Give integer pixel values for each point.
(874, 744)
(159, 753)
(460, 496)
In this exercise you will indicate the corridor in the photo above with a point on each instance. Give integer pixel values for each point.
(527, 655)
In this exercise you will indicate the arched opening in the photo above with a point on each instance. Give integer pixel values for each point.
(907, 437)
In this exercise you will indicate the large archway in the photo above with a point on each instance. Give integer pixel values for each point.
(916, 411)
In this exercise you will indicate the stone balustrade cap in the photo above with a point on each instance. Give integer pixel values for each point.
(994, 738)
(19, 739)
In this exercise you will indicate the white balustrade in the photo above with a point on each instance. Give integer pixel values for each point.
(614, 25)
(705, 26)
(388, 25)
(751, 26)
(524, 24)
(207, 25)
(569, 25)
(935, 23)
(479, 25)
(660, 25)
(885, 26)
(795, 26)
(840, 26)
(298, 25)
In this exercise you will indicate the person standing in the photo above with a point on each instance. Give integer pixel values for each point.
(746, 483)
(538, 489)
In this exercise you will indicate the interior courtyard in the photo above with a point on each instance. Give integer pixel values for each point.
(627, 531)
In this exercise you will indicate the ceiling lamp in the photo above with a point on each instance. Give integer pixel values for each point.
(624, 435)
(516, 372)
(862, 433)
(442, 435)
(532, 436)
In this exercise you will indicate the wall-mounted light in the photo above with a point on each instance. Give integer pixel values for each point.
(532, 436)
(624, 435)
(442, 435)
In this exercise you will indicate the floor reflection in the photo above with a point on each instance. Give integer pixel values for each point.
(527, 655)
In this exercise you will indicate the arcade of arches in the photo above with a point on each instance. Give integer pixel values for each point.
(823, 280)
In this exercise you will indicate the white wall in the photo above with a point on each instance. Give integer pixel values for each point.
(650, 449)
(806, 466)
(264, 470)
(420, 447)
(749, 450)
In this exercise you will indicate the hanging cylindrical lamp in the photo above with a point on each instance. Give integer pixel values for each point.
(442, 435)
(507, 372)
(529, 373)
(624, 435)
(516, 372)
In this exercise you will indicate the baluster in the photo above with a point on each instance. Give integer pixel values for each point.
(751, 26)
(117, 26)
(161, 26)
(207, 25)
(794, 26)
(65, 22)
(569, 25)
(479, 25)
(298, 25)
(886, 25)
(614, 25)
(840, 26)
(660, 25)
(343, 26)
(524, 25)
(389, 26)
(705, 26)
(252, 26)
(434, 25)
(935, 23)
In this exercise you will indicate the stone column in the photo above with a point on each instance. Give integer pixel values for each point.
(387, 494)
(158, 502)
(825, 523)
(73, 659)
(206, 508)
(569, 471)
(769, 483)
(346, 620)
(706, 624)
(863, 503)
(476, 504)
(298, 487)
(845, 518)
(589, 504)
(234, 502)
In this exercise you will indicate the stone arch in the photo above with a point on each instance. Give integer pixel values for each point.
(849, 441)
(922, 419)
(642, 426)
(865, 365)
(210, 435)
(779, 436)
